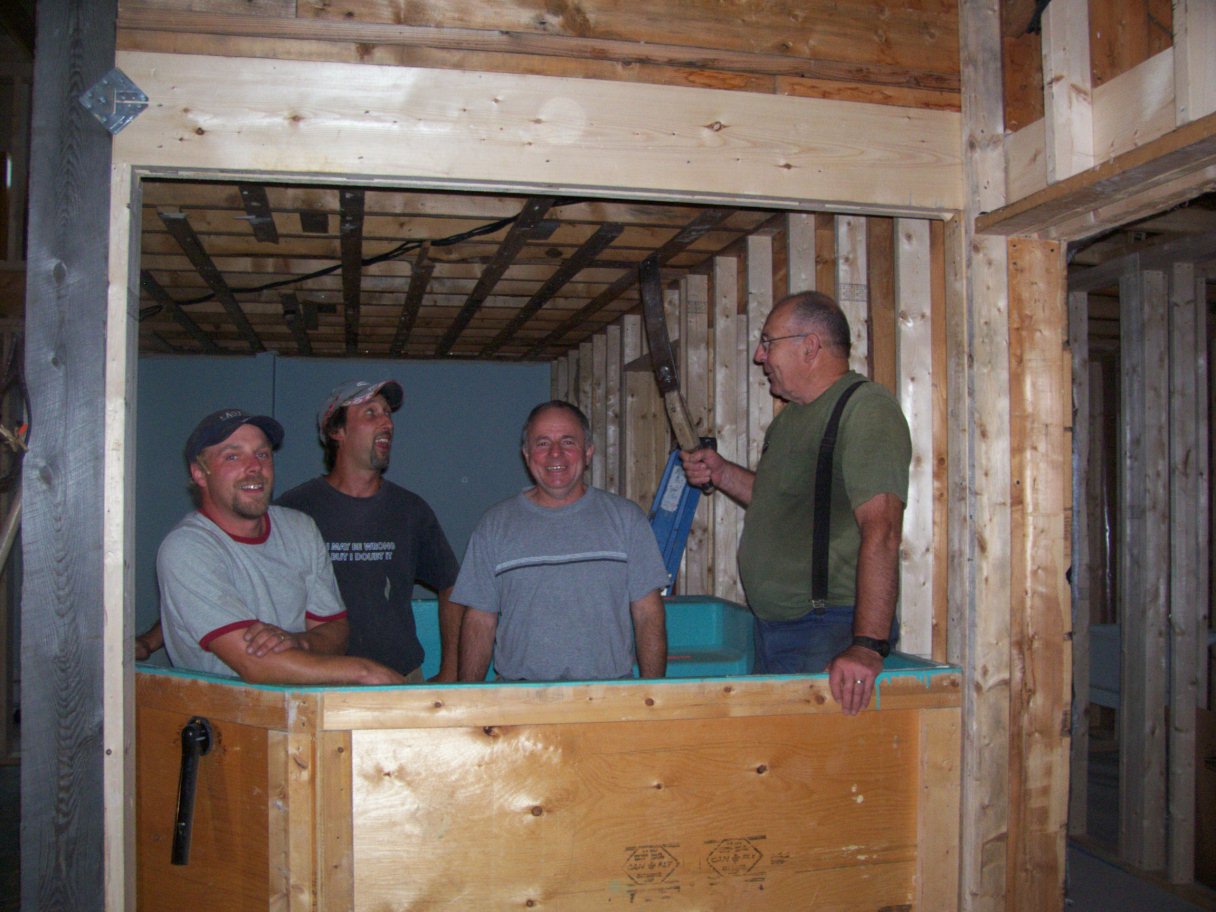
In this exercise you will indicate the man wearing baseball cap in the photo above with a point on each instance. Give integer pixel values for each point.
(381, 537)
(245, 587)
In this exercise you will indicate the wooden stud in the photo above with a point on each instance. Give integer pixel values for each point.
(852, 290)
(1143, 568)
(335, 822)
(599, 409)
(1068, 101)
(586, 401)
(1040, 410)
(559, 378)
(800, 232)
(633, 413)
(825, 254)
(1078, 343)
(1194, 59)
(1188, 561)
(983, 581)
(941, 477)
(694, 380)
(613, 411)
(880, 284)
(759, 403)
(914, 351)
(959, 526)
(938, 833)
(727, 515)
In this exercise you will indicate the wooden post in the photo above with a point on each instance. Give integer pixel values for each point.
(1040, 410)
(73, 735)
(759, 402)
(1078, 343)
(694, 379)
(986, 592)
(1143, 568)
(1188, 590)
(727, 515)
(1194, 59)
(598, 414)
(1067, 98)
(914, 380)
(884, 301)
(613, 476)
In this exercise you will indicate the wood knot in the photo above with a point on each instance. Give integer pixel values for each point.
(537, 810)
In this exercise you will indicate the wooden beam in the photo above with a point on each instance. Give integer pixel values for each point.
(75, 728)
(1143, 568)
(429, 128)
(148, 282)
(528, 225)
(294, 319)
(570, 267)
(350, 233)
(702, 224)
(420, 277)
(1160, 255)
(1130, 186)
(178, 225)
(258, 212)
(514, 41)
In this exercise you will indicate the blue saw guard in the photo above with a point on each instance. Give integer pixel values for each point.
(671, 515)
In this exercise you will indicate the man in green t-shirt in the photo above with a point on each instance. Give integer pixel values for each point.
(845, 624)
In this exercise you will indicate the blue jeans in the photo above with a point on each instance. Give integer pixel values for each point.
(805, 645)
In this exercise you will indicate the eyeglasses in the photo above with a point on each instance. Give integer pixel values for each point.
(767, 343)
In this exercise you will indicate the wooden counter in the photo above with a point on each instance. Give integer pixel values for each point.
(706, 793)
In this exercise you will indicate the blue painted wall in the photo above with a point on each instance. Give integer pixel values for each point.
(456, 440)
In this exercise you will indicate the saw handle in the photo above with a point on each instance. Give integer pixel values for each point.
(707, 443)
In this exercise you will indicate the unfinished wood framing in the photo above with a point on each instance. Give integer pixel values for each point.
(914, 354)
(1189, 558)
(1068, 102)
(1143, 567)
(852, 288)
(1078, 343)
(1040, 626)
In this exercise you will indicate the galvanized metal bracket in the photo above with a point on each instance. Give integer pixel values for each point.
(114, 100)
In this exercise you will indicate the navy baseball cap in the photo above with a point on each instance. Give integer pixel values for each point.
(356, 392)
(218, 427)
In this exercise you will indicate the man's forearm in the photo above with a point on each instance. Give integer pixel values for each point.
(736, 482)
(451, 616)
(476, 643)
(329, 637)
(298, 666)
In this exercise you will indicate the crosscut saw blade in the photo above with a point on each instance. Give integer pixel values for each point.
(662, 358)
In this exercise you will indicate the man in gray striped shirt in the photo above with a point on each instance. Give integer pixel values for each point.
(562, 581)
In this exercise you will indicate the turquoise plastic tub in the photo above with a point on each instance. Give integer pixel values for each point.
(706, 637)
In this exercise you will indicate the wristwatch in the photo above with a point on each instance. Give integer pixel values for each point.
(882, 647)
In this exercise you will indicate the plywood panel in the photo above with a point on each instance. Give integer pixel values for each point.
(602, 813)
(228, 853)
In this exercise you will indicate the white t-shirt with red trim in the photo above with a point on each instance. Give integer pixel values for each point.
(212, 583)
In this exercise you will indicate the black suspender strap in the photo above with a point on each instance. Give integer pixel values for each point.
(823, 502)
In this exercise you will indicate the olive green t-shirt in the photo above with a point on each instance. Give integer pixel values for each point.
(873, 452)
